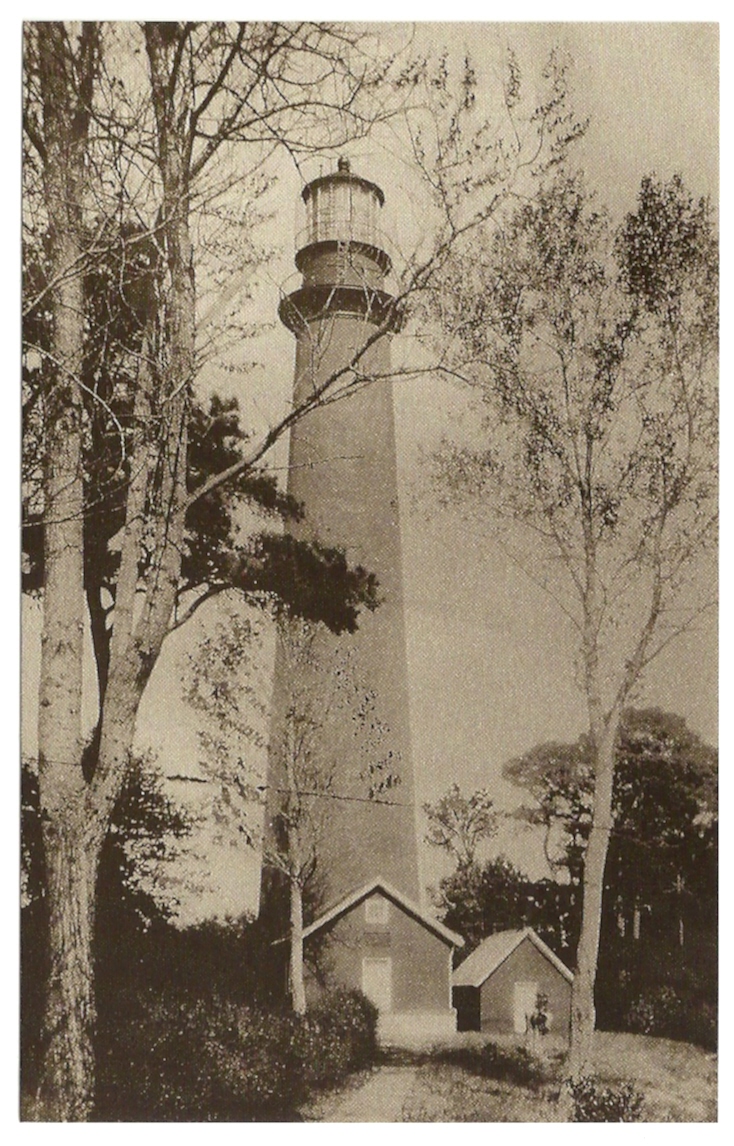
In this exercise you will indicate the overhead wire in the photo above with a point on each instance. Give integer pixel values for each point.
(261, 789)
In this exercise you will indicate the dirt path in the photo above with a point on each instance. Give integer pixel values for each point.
(381, 1098)
(677, 1080)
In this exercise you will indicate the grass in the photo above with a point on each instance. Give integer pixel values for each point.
(448, 1093)
(455, 1083)
(677, 1079)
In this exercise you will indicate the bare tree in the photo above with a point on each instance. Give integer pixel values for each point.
(163, 146)
(291, 845)
(196, 109)
(67, 68)
(593, 357)
(458, 823)
(227, 686)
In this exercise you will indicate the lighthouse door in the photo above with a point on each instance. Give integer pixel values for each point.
(377, 982)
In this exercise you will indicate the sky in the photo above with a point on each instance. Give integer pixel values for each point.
(490, 664)
(499, 676)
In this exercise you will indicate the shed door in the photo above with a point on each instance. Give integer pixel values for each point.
(525, 996)
(377, 982)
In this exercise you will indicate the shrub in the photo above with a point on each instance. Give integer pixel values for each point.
(182, 1059)
(338, 1036)
(654, 1011)
(503, 1064)
(178, 1058)
(593, 1102)
(510, 1065)
(664, 1012)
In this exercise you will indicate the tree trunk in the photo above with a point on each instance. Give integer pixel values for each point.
(583, 1010)
(124, 692)
(72, 857)
(298, 989)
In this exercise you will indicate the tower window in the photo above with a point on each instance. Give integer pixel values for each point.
(376, 909)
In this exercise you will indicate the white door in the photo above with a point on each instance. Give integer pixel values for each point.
(523, 1004)
(377, 982)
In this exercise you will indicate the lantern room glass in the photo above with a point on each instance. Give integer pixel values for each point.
(342, 210)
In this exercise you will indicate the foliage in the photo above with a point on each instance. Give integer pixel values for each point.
(338, 1035)
(595, 464)
(502, 1064)
(143, 832)
(146, 149)
(480, 899)
(664, 807)
(269, 569)
(319, 686)
(665, 247)
(593, 1102)
(516, 1065)
(558, 777)
(649, 1014)
(307, 580)
(666, 1013)
(175, 1057)
(458, 823)
(660, 881)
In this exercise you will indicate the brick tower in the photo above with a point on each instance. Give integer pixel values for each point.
(343, 469)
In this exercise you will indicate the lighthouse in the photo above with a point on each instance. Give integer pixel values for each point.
(343, 469)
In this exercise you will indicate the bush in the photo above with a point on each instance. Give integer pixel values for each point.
(177, 1058)
(181, 1059)
(337, 1037)
(503, 1064)
(593, 1102)
(665, 1013)
(510, 1065)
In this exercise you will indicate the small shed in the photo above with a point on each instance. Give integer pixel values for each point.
(497, 987)
(379, 941)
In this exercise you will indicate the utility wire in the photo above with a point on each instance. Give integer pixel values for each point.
(346, 798)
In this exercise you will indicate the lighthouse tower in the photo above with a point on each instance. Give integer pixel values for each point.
(343, 470)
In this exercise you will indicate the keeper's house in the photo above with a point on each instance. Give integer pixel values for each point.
(379, 941)
(497, 987)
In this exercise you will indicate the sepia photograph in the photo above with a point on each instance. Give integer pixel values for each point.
(369, 482)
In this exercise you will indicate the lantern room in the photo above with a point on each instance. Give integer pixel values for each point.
(342, 211)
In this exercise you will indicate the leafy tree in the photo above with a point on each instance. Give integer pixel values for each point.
(661, 871)
(481, 898)
(478, 899)
(593, 356)
(660, 879)
(663, 805)
(558, 776)
(459, 823)
(664, 808)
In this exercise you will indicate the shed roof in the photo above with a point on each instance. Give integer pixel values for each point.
(493, 951)
(397, 897)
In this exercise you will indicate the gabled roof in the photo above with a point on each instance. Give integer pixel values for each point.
(493, 951)
(397, 898)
